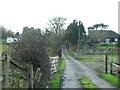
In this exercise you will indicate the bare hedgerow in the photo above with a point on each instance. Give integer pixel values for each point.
(32, 48)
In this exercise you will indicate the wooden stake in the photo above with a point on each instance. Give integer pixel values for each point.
(111, 67)
(30, 75)
(106, 64)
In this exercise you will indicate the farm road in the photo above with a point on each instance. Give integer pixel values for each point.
(76, 69)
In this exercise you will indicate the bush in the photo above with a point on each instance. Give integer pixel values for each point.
(32, 48)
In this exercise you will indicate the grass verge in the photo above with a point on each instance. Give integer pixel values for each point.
(3, 45)
(111, 79)
(62, 65)
(87, 83)
(56, 83)
(71, 54)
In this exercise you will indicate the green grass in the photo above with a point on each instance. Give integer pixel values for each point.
(62, 65)
(107, 47)
(3, 41)
(111, 79)
(3, 45)
(71, 54)
(87, 83)
(56, 83)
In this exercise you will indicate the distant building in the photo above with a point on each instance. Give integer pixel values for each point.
(107, 36)
(11, 40)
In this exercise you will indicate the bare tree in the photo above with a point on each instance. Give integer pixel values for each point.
(55, 34)
(56, 25)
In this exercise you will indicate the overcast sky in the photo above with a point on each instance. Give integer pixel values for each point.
(15, 14)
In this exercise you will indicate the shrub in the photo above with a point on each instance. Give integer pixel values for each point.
(32, 48)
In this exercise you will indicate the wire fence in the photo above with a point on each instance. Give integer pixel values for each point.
(98, 51)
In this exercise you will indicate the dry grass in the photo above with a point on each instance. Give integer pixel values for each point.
(96, 62)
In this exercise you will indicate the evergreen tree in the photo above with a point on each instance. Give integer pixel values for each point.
(72, 33)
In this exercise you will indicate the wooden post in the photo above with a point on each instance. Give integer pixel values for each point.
(1, 73)
(30, 75)
(13, 80)
(18, 85)
(6, 71)
(111, 67)
(106, 64)
(58, 62)
(37, 77)
(40, 73)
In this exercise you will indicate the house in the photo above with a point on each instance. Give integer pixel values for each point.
(54, 64)
(106, 36)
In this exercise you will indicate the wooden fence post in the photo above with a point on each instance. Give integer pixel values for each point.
(1, 73)
(111, 71)
(18, 82)
(30, 75)
(5, 71)
(6, 63)
(106, 64)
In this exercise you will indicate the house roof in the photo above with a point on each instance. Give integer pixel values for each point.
(102, 34)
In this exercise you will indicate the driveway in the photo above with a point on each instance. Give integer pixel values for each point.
(76, 69)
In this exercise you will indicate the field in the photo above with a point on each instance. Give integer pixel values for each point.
(93, 61)
(3, 45)
(97, 62)
(107, 47)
